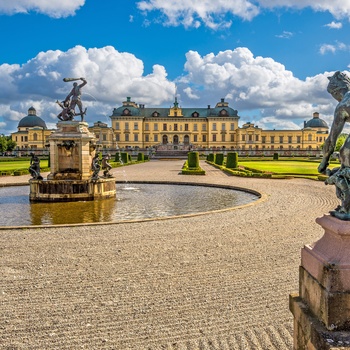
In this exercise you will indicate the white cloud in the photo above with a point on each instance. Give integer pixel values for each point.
(285, 35)
(272, 122)
(189, 93)
(212, 13)
(52, 8)
(333, 48)
(338, 8)
(192, 13)
(327, 48)
(251, 83)
(111, 76)
(334, 25)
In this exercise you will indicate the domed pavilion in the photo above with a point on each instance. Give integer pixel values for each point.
(32, 132)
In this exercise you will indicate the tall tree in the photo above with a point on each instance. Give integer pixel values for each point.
(6, 143)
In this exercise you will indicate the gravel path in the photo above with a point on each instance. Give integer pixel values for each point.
(213, 282)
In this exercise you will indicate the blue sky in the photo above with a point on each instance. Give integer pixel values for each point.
(269, 62)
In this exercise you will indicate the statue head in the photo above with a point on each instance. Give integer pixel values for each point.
(339, 83)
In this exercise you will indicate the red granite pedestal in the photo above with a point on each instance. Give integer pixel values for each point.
(321, 310)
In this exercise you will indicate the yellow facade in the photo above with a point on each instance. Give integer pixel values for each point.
(176, 128)
(32, 132)
(104, 135)
(250, 137)
(210, 128)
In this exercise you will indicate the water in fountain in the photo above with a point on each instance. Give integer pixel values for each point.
(148, 201)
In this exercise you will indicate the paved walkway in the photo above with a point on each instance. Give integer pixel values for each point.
(216, 281)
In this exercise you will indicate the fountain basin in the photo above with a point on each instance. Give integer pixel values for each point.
(134, 202)
(71, 190)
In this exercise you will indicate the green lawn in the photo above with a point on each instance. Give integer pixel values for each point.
(285, 167)
(15, 165)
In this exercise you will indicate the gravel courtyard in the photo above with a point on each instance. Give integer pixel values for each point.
(217, 281)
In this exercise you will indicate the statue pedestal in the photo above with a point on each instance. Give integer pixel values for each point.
(72, 148)
(322, 308)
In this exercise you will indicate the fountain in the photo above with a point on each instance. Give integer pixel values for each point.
(74, 162)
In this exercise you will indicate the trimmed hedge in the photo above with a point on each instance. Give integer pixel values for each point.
(211, 157)
(219, 158)
(275, 156)
(124, 157)
(232, 160)
(193, 159)
(140, 157)
(186, 170)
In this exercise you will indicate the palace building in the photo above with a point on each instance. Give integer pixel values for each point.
(213, 128)
(207, 128)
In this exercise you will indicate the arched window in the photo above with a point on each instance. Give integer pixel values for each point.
(309, 137)
(35, 137)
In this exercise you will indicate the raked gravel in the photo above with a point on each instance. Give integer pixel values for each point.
(217, 281)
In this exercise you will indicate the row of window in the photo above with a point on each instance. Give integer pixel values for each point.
(215, 138)
(127, 112)
(243, 147)
(282, 139)
(196, 138)
(156, 138)
(24, 138)
(174, 127)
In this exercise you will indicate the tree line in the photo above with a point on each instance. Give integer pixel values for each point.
(6, 144)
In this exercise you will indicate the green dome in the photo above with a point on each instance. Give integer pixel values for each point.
(316, 122)
(31, 120)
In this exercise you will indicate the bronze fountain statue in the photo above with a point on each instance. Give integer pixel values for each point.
(339, 88)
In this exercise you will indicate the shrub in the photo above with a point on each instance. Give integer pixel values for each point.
(219, 158)
(186, 170)
(232, 160)
(275, 156)
(124, 157)
(211, 157)
(140, 157)
(117, 157)
(193, 159)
